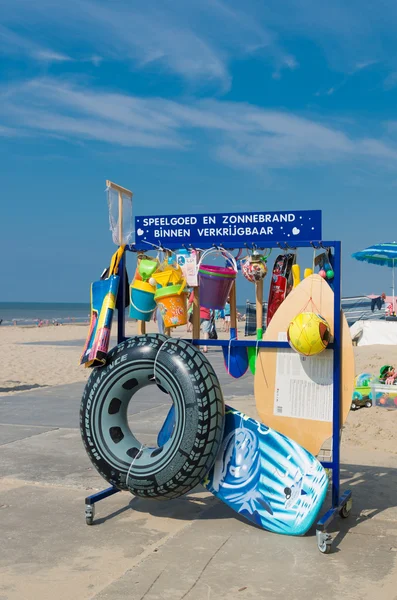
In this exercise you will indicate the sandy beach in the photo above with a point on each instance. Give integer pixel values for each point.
(42, 356)
(47, 356)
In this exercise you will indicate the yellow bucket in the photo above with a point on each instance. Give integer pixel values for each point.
(172, 302)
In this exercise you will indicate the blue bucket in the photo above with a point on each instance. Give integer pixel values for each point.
(142, 302)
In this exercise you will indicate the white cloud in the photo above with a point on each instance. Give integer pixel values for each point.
(391, 81)
(49, 56)
(365, 64)
(290, 62)
(14, 44)
(193, 40)
(197, 40)
(328, 92)
(96, 60)
(9, 132)
(238, 134)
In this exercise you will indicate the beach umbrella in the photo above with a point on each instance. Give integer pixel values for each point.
(384, 255)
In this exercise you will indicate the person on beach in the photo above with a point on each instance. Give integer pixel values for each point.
(205, 321)
(378, 302)
(189, 328)
(220, 316)
(227, 317)
(158, 318)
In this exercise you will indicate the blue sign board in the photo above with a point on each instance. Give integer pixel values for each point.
(250, 227)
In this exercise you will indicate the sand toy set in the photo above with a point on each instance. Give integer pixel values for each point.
(371, 390)
(266, 470)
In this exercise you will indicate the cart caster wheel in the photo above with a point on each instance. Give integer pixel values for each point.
(346, 509)
(89, 514)
(325, 548)
(324, 542)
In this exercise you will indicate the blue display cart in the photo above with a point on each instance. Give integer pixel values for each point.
(341, 503)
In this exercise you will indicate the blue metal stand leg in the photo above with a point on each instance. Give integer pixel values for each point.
(340, 504)
(324, 539)
(91, 500)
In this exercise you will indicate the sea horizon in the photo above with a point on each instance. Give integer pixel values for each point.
(32, 313)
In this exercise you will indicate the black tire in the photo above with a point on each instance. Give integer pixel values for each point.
(187, 376)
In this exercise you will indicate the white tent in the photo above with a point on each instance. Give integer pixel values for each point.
(370, 332)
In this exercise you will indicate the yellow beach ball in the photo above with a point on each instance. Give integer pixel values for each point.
(308, 333)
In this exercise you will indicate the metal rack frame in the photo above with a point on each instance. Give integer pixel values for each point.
(341, 503)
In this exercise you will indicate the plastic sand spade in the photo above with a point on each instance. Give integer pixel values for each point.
(235, 357)
(168, 276)
(147, 267)
(253, 352)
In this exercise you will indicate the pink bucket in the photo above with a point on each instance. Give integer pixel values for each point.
(221, 271)
(215, 283)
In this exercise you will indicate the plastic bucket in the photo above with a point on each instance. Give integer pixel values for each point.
(142, 302)
(215, 285)
(216, 282)
(218, 271)
(172, 302)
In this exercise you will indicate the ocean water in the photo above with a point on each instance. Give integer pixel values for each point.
(31, 313)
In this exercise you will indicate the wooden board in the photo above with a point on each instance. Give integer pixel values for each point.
(271, 387)
(266, 477)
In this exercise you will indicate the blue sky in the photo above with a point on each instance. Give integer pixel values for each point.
(195, 106)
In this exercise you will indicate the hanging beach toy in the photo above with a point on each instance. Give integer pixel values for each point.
(216, 282)
(142, 289)
(172, 303)
(167, 275)
(235, 357)
(255, 270)
(147, 267)
(254, 267)
(142, 302)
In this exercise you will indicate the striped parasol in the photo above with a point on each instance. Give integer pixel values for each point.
(384, 255)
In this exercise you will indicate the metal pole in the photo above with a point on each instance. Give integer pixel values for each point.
(394, 309)
(120, 301)
(337, 373)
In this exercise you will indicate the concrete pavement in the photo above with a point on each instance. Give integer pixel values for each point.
(193, 548)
